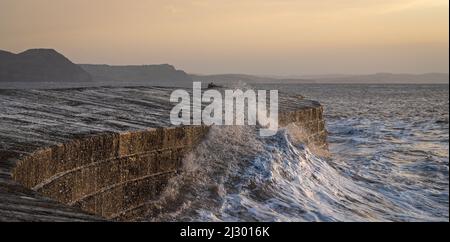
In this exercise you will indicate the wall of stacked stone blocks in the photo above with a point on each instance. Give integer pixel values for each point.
(118, 175)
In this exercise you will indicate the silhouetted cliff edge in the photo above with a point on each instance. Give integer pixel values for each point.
(39, 65)
(143, 73)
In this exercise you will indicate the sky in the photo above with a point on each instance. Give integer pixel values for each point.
(264, 37)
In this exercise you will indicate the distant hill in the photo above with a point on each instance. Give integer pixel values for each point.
(379, 78)
(145, 73)
(47, 65)
(388, 78)
(229, 78)
(39, 65)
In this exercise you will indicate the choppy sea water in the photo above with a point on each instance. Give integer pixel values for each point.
(388, 161)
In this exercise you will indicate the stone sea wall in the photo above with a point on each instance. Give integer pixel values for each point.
(102, 153)
(311, 122)
(118, 175)
(108, 174)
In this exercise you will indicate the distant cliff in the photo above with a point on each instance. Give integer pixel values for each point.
(39, 65)
(224, 79)
(144, 73)
(378, 78)
(389, 78)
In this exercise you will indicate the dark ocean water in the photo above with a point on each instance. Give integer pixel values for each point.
(388, 161)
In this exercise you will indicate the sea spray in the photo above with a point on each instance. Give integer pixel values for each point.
(239, 107)
(233, 162)
(369, 177)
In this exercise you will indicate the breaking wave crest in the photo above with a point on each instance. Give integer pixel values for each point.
(389, 162)
(236, 175)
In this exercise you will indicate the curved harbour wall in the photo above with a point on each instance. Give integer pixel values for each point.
(117, 175)
(108, 174)
(84, 154)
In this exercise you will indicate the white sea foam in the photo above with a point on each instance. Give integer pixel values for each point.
(236, 175)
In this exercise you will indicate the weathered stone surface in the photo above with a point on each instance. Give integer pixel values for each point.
(141, 159)
(68, 162)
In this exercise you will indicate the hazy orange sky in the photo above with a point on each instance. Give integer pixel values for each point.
(279, 37)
